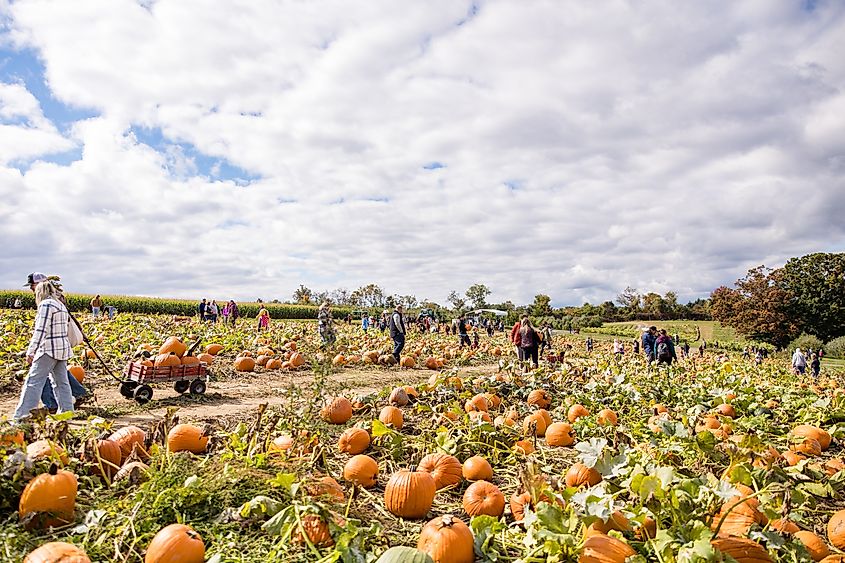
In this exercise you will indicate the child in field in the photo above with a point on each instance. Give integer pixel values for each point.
(263, 319)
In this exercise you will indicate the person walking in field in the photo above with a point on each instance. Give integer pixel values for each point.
(648, 339)
(224, 313)
(48, 352)
(96, 306)
(546, 341)
(664, 349)
(233, 312)
(365, 323)
(212, 311)
(463, 336)
(799, 362)
(515, 339)
(397, 332)
(815, 365)
(201, 309)
(529, 342)
(263, 319)
(325, 325)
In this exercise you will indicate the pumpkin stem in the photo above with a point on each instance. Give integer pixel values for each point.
(447, 520)
(54, 469)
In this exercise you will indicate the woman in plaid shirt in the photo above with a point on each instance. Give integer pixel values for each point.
(48, 352)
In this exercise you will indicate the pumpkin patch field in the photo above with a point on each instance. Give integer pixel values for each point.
(456, 455)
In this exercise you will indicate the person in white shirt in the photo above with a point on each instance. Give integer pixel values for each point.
(799, 362)
(397, 332)
(48, 352)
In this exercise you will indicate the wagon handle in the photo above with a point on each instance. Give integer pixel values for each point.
(96, 354)
(193, 347)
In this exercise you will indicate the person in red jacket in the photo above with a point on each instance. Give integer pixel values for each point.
(515, 340)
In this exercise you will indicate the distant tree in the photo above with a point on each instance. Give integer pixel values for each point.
(759, 308)
(458, 302)
(670, 300)
(817, 285)
(609, 311)
(369, 295)
(302, 295)
(541, 306)
(477, 294)
(340, 296)
(321, 297)
(629, 299)
(654, 306)
(408, 301)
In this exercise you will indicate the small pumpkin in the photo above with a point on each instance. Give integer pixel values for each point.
(77, 372)
(49, 499)
(317, 531)
(362, 470)
(176, 543)
(524, 447)
(392, 416)
(187, 438)
(327, 487)
(579, 474)
(447, 540)
(353, 441)
(130, 438)
(607, 418)
(477, 403)
(190, 361)
(297, 360)
(836, 529)
(815, 545)
(483, 497)
(337, 410)
(444, 468)
(206, 358)
(244, 364)
(577, 411)
(539, 398)
(559, 434)
(57, 552)
(409, 494)
(476, 468)
(398, 397)
(601, 548)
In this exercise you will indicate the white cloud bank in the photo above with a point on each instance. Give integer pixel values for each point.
(584, 147)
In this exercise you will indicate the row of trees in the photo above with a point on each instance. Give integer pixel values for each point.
(806, 295)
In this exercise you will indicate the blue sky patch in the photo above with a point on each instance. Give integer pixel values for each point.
(434, 165)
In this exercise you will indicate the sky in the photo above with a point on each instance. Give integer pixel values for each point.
(188, 148)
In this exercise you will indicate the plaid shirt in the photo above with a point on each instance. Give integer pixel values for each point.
(50, 334)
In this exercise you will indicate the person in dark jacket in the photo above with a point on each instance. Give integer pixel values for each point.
(529, 341)
(397, 331)
(463, 334)
(664, 349)
(649, 338)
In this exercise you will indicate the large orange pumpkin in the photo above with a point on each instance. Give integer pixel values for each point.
(447, 540)
(579, 474)
(167, 360)
(78, 372)
(244, 363)
(815, 545)
(409, 494)
(539, 398)
(362, 470)
(836, 529)
(559, 434)
(173, 346)
(483, 497)
(444, 468)
(296, 360)
(130, 438)
(187, 438)
(534, 425)
(213, 349)
(57, 552)
(176, 543)
(336, 410)
(392, 416)
(743, 550)
(49, 499)
(353, 441)
(814, 432)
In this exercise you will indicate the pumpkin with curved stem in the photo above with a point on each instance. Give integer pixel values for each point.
(337, 410)
(362, 470)
(743, 550)
(447, 540)
(49, 499)
(534, 425)
(392, 416)
(173, 346)
(57, 552)
(409, 494)
(187, 438)
(444, 468)
(477, 468)
(836, 529)
(353, 441)
(176, 543)
(600, 548)
(483, 497)
(579, 474)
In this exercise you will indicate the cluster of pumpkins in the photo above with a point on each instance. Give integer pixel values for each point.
(49, 499)
(173, 353)
(267, 358)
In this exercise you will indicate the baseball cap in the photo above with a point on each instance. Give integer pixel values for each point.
(35, 277)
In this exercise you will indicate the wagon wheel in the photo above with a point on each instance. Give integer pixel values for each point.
(197, 387)
(143, 394)
(127, 388)
(182, 385)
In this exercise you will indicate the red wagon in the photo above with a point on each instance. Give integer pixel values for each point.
(137, 378)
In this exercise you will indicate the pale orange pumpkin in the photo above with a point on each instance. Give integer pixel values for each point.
(362, 470)
(836, 529)
(176, 543)
(244, 364)
(187, 438)
(601, 548)
(336, 410)
(539, 398)
(57, 552)
(392, 416)
(353, 441)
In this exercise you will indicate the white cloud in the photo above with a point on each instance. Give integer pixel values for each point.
(24, 131)
(585, 147)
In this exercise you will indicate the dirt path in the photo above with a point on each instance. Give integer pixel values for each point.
(237, 396)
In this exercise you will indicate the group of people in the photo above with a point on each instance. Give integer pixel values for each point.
(530, 342)
(210, 311)
(48, 352)
(800, 361)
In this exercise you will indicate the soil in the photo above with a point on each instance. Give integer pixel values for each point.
(235, 396)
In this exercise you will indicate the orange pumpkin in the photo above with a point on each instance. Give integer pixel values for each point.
(559, 434)
(167, 360)
(49, 499)
(392, 416)
(534, 425)
(213, 349)
(743, 550)
(42, 449)
(476, 403)
(483, 497)
(836, 529)
(576, 411)
(607, 418)
(337, 410)
(206, 358)
(444, 468)
(726, 410)
(524, 447)
(409, 494)
(539, 398)
(78, 372)
(353, 441)
(296, 360)
(447, 540)
(813, 432)
(106, 458)
(317, 531)
(476, 468)
(130, 438)
(190, 361)
(600, 548)
(244, 364)
(326, 487)
(518, 504)
(57, 552)
(176, 543)
(815, 545)
(579, 474)
(187, 438)
(173, 346)
(362, 470)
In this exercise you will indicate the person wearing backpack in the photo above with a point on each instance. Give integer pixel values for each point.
(529, 342)
(664, 349)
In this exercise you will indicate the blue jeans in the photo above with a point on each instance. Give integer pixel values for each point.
(95, 311)
(39, 372)
(398, 344)
(48, 399)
